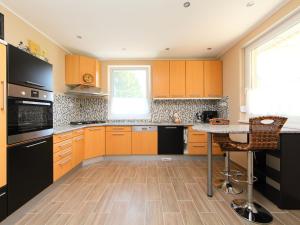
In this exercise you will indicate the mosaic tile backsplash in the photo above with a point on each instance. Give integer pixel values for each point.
(68, 108)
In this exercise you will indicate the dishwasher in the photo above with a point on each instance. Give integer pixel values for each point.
(170, 140)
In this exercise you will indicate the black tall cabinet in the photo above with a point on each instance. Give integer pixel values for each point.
(278, 172)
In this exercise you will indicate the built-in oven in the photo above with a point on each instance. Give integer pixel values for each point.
(29, 113)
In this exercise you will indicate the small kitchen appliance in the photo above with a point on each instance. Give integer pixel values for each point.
(205, 116)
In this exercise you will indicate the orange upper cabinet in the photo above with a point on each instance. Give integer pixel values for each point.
(177, 79)
(161, 79)
(82, 70)
(213, 79)
(194, 79)
(2, 115)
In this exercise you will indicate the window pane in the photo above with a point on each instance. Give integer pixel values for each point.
(129, 94)
(275, 75)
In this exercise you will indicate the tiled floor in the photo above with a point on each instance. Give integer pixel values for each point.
(139, 192)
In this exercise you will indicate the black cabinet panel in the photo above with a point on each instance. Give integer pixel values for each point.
(30, 170)
(170, 140)
(3, 203)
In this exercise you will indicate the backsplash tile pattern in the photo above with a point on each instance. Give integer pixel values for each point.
(71, 108)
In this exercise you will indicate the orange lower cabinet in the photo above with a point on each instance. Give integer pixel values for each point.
(78, 150)
(94, 142)
(197, 148)
(62, 166)
(118, 143)
(144, 143)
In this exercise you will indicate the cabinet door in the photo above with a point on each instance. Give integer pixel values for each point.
(88, 70)
(177, 79)
(78, 149)
(213, 79)
(2, 115)
(144, 143)
(94, 142)
(161, 79)
(118, 143)
(194, 79)
(72, 70)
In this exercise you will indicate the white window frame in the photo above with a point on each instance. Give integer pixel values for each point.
(287, 23)
(129, 117)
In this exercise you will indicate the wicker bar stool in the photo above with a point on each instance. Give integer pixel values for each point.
(226, 185)
(264, 135)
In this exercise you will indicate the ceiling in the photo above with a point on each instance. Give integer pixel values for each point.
(122, 29)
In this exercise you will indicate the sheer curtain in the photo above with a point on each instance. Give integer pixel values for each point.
(274, 70)
(129, 94)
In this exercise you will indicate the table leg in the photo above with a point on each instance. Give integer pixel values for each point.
(209, 165)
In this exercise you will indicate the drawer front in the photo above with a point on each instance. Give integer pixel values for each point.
(197, 148)
(78, 132)
(62, 145)
(62, 154)
(62, 167)
(95, 129)
(62, 137)
(119, 128)
(197, 137)
(217, 150)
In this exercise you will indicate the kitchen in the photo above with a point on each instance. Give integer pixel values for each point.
(95, 128)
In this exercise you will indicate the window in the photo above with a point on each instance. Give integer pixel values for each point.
(272, 68)
(129, 92)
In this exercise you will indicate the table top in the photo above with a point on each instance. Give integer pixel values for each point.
(233, 129)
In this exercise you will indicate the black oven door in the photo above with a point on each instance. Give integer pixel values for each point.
(28, 119)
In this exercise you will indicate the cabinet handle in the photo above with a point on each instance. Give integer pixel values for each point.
(79, 139)
(61, 163)
(65, 153)
(3, 95)
(118, 134)
(39, 143)
(63, 136)
(2, 194)
(92, 129)
(198, 134)
(198, 146)
(62, 146)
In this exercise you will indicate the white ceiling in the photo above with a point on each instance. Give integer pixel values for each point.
(144, 27)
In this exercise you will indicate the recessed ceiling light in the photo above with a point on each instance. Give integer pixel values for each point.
(250, 3)
(123, 49)
(79, 36)
(167, 49)
(208, 49)
(186, 4)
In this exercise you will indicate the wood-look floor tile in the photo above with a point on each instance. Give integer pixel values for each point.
(123, 190)
(163, 175)
(97, 191)
(180, 189)
(105, 202)
(137, 202)
(173, 219)
(295, 213)
(200, 199)
(44, 216)
(227, 215)
(141, 175)
(152, 171)
(189, 213)
(26, 219)
(211, 219)
(153, 192)
(286, 218)
(75, 203)
(59, 219)
(154, 214)
(118, 213)
(186, 176)
(83, 214)
(96, 219)
(168, 197)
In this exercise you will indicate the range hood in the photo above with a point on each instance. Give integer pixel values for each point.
(86, 91)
